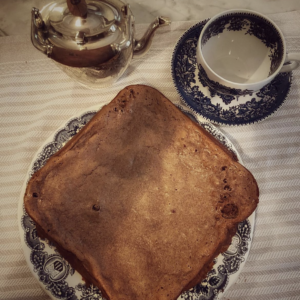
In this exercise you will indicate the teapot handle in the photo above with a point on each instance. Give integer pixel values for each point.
(77, 8)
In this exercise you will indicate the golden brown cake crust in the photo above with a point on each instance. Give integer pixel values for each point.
(142, 199)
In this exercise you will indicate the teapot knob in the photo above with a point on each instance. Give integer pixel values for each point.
(77, 8)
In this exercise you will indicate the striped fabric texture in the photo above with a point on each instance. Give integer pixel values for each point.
(37, 98)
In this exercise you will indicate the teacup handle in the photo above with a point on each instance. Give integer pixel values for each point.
(294, 61)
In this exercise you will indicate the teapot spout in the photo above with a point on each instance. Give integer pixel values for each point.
(142, 46)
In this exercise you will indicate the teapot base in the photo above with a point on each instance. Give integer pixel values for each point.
(103, 75)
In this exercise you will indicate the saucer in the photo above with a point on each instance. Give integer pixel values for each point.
(215, 107)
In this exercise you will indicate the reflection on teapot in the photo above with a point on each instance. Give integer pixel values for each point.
(92, 41)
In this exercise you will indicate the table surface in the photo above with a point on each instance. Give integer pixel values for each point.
(15, 14)
(36, 98)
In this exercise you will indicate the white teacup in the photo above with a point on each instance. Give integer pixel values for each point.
(240, 51)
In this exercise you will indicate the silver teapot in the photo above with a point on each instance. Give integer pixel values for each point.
(91, 40)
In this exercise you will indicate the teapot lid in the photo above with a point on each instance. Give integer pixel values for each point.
(82, 22)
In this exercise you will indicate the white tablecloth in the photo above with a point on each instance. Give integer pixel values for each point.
(36, 98)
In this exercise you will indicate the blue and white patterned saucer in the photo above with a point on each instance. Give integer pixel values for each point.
(61, 281)
(215, 107)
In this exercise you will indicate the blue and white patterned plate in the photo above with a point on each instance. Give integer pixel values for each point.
(215, 107)
(57, 277)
